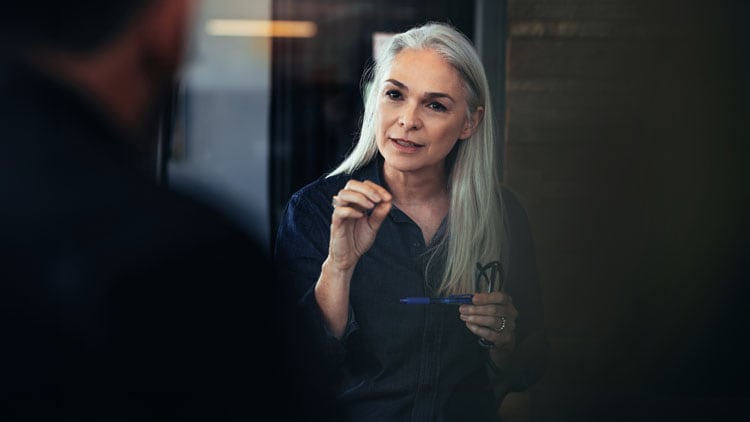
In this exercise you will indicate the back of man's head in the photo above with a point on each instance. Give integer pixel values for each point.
(72, 25)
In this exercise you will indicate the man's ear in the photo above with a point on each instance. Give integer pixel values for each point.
(472, 123)
(164, 32)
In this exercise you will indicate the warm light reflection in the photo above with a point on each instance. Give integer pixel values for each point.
(260, 28)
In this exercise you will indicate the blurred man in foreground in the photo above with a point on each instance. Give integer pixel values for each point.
(120, 299)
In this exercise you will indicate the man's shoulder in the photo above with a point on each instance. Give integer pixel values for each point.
(182, 227)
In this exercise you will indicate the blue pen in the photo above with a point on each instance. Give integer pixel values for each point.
(450, 300)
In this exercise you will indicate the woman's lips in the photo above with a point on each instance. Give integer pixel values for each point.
(405, 145)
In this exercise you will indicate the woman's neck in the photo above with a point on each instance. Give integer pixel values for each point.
(416, 188)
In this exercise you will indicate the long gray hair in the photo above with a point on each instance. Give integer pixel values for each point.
(475, 231)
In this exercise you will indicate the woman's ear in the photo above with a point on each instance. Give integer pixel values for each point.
(472, 123)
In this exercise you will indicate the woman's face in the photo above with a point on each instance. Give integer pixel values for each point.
(422, 112)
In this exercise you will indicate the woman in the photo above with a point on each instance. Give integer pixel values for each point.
(414, 210)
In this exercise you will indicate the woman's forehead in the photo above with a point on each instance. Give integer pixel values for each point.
(424, 70)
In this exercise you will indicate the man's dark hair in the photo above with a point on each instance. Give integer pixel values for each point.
(73, 25)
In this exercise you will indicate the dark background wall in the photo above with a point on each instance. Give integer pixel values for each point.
(626, 140)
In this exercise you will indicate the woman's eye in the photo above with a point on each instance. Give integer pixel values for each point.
(393, 94)
(436, 106)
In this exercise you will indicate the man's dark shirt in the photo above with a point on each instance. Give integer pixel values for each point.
(119, 297)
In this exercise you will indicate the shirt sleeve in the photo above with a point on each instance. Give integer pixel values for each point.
(529, 361)
(300, 248)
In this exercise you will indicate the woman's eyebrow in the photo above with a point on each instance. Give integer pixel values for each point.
(429, 95)
(397, 83)
(432, 95)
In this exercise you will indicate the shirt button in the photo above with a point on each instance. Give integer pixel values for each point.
(416, 244)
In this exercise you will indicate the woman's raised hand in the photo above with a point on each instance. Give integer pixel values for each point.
(358, 210)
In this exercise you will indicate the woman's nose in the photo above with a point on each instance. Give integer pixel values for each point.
(409, 118)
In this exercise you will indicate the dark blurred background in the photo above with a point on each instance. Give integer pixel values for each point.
(626, 138)
(625, 135)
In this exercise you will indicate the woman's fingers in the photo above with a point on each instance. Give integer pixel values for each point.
(498, 298)
(491, 316)
(492, 304)
(378, 214)
(352, 199)
(378, 190)
(495, 323)
(362, 196)
(358, 211)
(498, 338)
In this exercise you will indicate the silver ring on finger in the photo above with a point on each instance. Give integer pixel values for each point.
(333, 202)
(503, 324)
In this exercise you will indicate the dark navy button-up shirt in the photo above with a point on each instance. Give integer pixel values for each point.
(399, 362)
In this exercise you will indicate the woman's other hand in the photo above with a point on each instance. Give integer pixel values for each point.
(492, 317)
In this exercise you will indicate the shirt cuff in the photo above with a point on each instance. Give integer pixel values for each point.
(351, 326)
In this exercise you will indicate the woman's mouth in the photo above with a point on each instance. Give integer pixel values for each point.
(405, 145)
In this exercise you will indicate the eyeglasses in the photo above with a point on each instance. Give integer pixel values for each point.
(488, 278)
